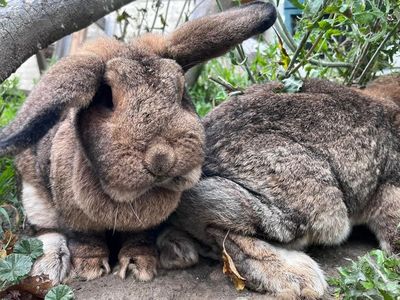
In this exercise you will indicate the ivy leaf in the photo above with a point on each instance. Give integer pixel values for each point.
(60, 292)
(31, 247)
(14, 267)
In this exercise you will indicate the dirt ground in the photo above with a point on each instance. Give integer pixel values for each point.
(206, 281)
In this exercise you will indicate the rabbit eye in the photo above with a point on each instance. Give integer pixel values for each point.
(104, 97)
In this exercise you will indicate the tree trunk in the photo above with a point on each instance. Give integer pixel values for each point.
(28, 26)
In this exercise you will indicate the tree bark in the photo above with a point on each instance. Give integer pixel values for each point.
(27, 26)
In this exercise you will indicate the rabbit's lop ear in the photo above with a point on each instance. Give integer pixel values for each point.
(201, 39)
(72, 82)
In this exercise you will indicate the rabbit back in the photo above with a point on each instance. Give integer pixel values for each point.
(328, 134)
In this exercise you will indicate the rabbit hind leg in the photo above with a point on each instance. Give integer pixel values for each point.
(383, 217)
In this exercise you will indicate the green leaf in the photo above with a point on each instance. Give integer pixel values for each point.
(297, 4)
(292, 85)
(333, 32)
(3, 216)
(367, 17)
(324, 24)
(373, 276)
(60, 292)
(14, 267)
(367, 285)
(123, 16)
(31, 247)
(3, 3)
(313, 6)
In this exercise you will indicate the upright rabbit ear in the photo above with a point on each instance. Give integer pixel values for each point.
(201, 39)
(72, 82)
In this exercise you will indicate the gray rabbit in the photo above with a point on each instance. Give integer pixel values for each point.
(285, 171)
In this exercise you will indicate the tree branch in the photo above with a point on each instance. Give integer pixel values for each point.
(28, 26)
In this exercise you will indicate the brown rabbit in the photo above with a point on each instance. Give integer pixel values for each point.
(108, 140)
(386, 87)
(285, 171)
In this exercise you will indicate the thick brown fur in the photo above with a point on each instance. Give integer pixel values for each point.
(108, 140)
(284, 171)
(386, 87)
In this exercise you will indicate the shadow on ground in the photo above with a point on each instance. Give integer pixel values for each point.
(206, 281)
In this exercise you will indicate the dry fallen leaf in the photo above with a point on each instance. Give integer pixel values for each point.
(285, 58)
(229, 269)
(3, 253)
(33, 287)
(8, 242)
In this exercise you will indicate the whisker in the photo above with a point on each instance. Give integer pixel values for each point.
(115, 219)
(134, 212)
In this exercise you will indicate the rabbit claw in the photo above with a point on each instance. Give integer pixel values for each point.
(89, 259)
(140, 259)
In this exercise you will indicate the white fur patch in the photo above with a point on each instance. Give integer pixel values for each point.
(38, 210)
(55, 261)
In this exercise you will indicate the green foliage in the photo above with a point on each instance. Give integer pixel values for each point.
(5, 221)
(3, 3)
(347, 41)
(357, 38)
(30, 247)
(206, 93)
(7, 181)
(60, 292)
(14, 268)
(292, 85)
(373, 276)
(11, 99)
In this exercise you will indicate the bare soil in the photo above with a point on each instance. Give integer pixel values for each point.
(206, 280)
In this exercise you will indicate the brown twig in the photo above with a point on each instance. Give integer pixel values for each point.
(228, 87)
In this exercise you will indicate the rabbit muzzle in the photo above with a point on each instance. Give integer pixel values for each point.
(159, 160)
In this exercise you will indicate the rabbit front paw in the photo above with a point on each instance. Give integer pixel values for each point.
(140, 258)
(89, 257)
(285, 274)
(55, 261)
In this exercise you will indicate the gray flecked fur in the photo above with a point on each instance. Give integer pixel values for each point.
(291, 170)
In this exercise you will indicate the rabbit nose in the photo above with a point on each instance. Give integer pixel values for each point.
(159, 159)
